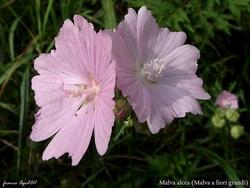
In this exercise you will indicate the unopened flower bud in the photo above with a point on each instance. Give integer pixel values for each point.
(227, 100)
(232, 115)
(237, 131)
(218, 121)
(220, 112)
(122, 109)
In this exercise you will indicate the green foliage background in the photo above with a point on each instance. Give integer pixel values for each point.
(189, 148)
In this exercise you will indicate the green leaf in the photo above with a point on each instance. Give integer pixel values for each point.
(236, 6)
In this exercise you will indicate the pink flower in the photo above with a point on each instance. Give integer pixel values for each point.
(227, 100)
(155, 70)
(74, 90)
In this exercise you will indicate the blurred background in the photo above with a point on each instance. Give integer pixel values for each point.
(195, 147)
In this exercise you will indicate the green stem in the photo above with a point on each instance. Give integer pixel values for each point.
(109, 14)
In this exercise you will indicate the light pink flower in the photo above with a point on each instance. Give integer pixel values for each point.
(227, 100)
(74, 90)
(156, 70)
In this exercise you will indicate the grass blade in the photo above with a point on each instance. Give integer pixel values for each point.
(230, 172)
(39, 24)
(11, 39)
(4, 79)
(46, 16)
(24, 90)
(8, 107)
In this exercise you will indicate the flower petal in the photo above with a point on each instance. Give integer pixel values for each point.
(108, 83)
(147, 31)
(124, 41)
(141, 104)
(98, 53)
(70, 50)
(50, 89)
(156, 120)
(52, 117)
(183, 58)
(104, 120)
(179, 100)
(168, 103)
(82, 137)
(185, 81)
(155, 42)
(73, 138)
(60, 67)
(167, 41)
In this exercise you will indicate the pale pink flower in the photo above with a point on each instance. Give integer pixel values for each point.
(227, 100)
(74, 90)
(155, 70)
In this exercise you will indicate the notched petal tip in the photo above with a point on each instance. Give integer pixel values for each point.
(32, 137)
(130, 11)
(194, 51)
(144, 12)
(45, 157)
(75, 162)
(36, 136)
(78, 17)
(153, 131)
(153, 128)
(143, 8)
(82, 23)
(66, 24)
(101, 151)
(206, 96)
(182, 35)
(38, 62)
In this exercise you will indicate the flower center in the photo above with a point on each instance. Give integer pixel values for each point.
(86, 93)
(82, 90)
(153, 70)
